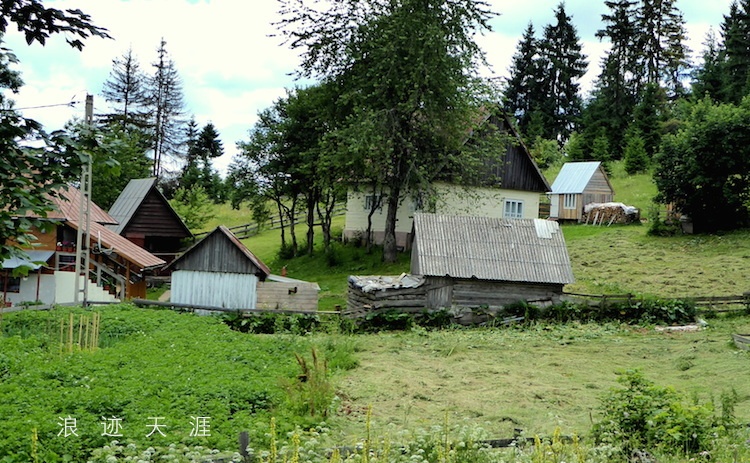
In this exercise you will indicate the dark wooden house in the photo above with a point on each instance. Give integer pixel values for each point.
(489, 262)
(218, 271)
(145, 217)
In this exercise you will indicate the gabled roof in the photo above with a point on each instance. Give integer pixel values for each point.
(68, 207)
(34, 260)
(131, 198)
(68, 204)
(575, 176)
(198, 257)
(485, 248)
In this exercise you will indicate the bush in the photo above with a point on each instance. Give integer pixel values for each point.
(641, 415)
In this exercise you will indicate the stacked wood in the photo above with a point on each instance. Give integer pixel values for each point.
(405, 293)
(609, 213)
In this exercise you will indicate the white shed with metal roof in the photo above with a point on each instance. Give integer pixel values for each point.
(578, 184)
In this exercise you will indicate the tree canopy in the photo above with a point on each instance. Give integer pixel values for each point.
(29, 175)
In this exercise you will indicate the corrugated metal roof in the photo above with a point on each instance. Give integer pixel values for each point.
(130, 199)
(33, 256)
(574, 176)
(67, 207)
(486, 248)
(121, 245)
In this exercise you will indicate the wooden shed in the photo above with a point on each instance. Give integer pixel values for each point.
(579, 184)
(218, 271)
(145, 217)
(489, 262)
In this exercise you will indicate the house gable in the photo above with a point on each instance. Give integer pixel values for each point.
(143, 211)
(220, 252)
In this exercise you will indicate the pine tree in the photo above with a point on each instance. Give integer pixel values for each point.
(563, 65)
(662, 53)
(523, 92)
(708, 77)
(736, 50)
(125, 89)
(166, 104)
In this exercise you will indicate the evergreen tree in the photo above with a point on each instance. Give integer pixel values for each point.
(635, 156)
(166, 105)
(523, 92)
(708, 77)
(662, 53)
(563, 65)
(648, 117)
(125, 89)
(736, 52)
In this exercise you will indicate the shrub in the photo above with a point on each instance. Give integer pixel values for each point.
(641, 415)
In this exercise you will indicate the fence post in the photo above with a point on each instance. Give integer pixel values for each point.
(244, 442)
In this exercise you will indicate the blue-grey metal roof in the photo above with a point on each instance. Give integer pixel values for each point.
(574, 176)
(35, 260)
(129, 200)
(486, 248)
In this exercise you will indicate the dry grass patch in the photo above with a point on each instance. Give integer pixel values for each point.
(535, 378)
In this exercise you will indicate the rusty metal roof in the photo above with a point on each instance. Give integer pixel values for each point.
(486, 248)
(67, 207)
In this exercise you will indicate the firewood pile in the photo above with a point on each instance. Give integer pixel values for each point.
(370, 294)
(609, 213)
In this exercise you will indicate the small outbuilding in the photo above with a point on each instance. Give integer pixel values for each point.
(579, 184)
(489, 262)
(218, 271)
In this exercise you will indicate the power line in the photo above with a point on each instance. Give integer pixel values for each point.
(70, 104)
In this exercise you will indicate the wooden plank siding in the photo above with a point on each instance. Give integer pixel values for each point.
(276, 295)
(216, 254)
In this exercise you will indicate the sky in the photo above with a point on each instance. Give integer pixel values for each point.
(232, 66)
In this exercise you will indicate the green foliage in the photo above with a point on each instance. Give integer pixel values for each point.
(703, 168)
(193, 206)
(635, 155)
(642, 415)
(150, 363)
(546, 152)
(311, 393)
(273, 323)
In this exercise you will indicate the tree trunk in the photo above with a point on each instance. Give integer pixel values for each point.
(390, 250)
(281, 222)
(311, 201)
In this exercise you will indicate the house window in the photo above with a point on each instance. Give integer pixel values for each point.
(513, 209)
(10, 284)
(569, 201)
(372, 200)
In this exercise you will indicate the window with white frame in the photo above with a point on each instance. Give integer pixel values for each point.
(513, 209)
(372, 200)
(569, 201)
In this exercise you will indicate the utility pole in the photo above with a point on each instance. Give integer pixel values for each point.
(83, 238)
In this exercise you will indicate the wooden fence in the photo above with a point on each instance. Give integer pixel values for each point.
(253, 228)
(714, 303)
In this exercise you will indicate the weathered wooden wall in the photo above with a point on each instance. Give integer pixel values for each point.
(275, 295)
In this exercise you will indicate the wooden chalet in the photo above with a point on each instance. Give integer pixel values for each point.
(579, 184)
(488, 261)
(145, 217)
(512, 188)
(117, 266)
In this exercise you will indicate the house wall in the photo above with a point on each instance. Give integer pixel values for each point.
(28, 290)
(454, 200)
(227, 290)
(274, 295)
(567, 214)
(445, 292)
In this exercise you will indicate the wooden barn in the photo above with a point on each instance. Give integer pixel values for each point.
(218, 271)
(489, 262)
(579, 184)
(145, 217)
